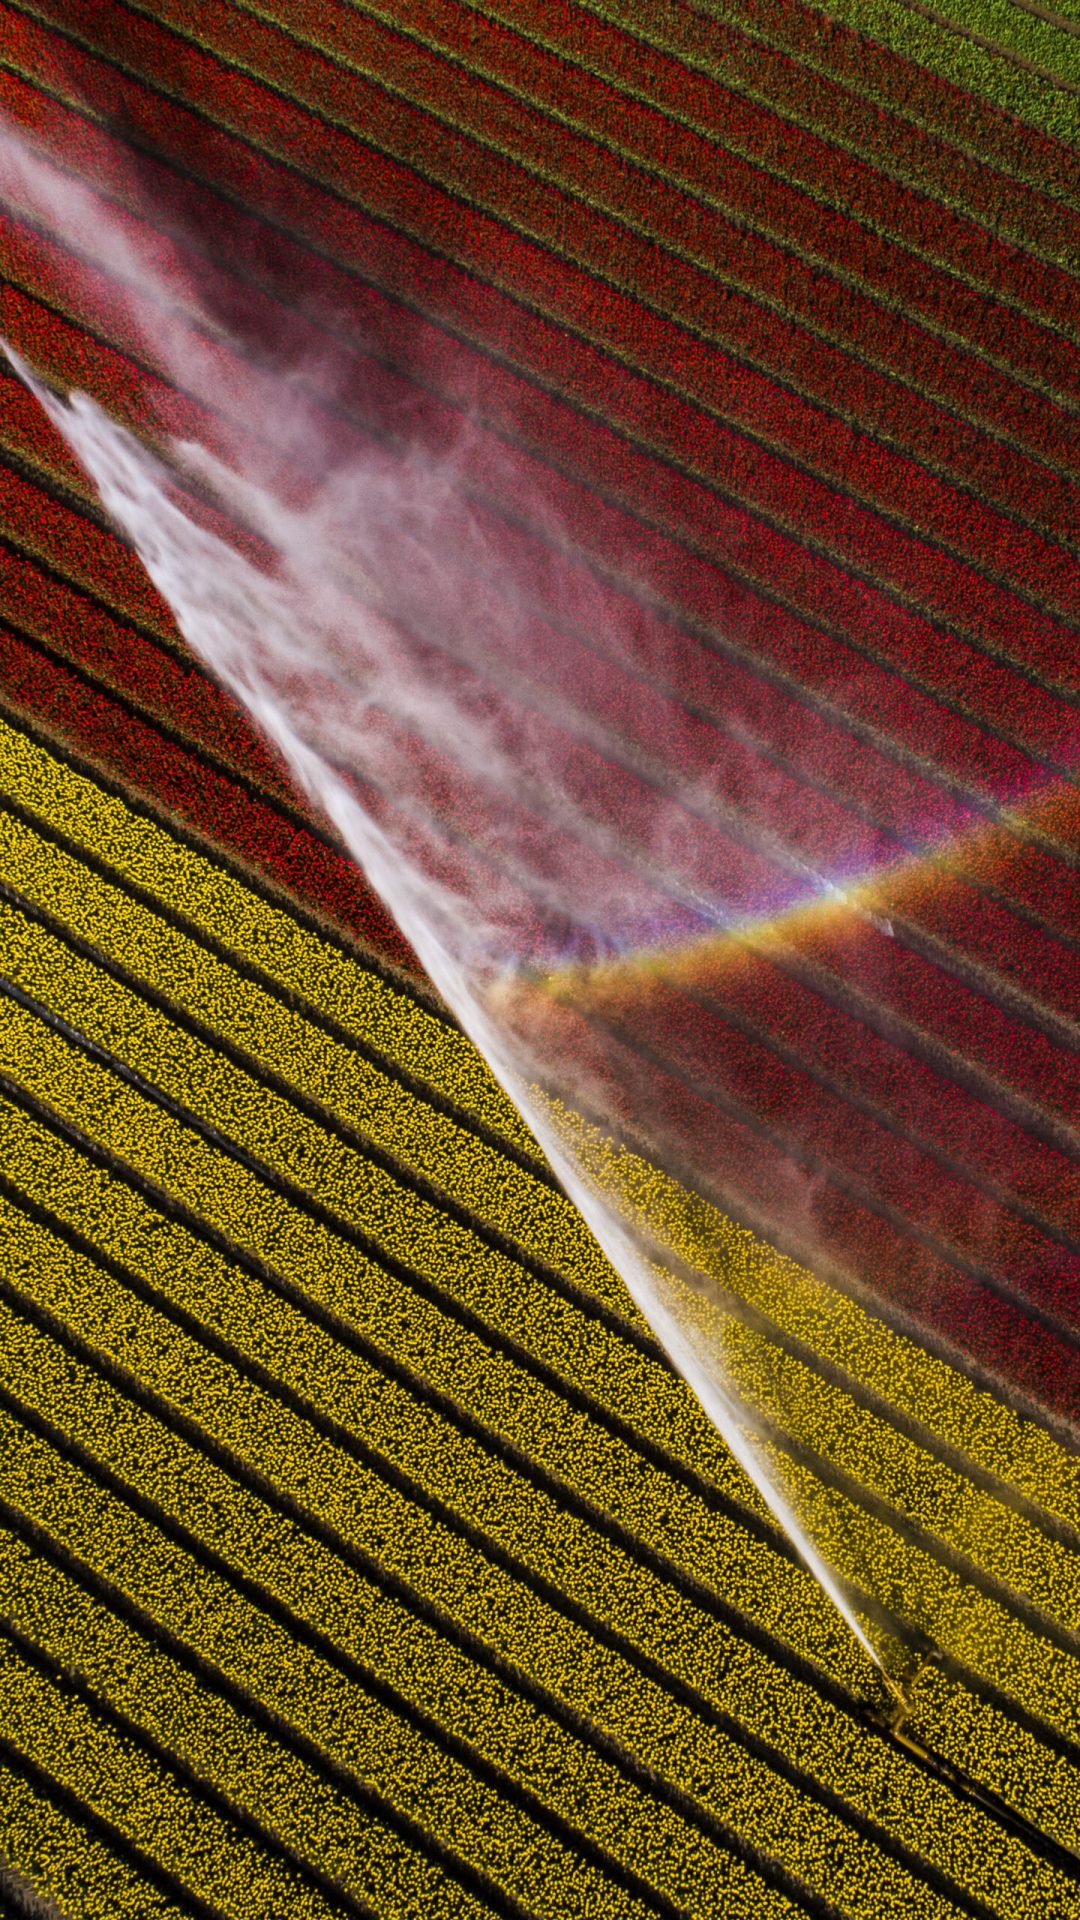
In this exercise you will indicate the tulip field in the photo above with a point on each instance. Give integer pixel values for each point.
(364, 1550)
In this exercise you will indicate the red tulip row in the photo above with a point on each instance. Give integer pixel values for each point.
(648, 101)
(124, 660)
(578, 227)
(709, 69)
(850, 59)
(50, 304)
(789, 215)
(1003, 935)
(415, 275)
(893, 705)
(721, 700)
(157, 678)
(974, 923)
(616, 317)
(72, 605)
(1016, 1053)
(117, 654)
(706, 856)
(843, 1143)
(1017, 863)
(779, 1000)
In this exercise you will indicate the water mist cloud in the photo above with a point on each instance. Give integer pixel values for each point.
(477, 756)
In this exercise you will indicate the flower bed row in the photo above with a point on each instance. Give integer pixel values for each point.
(748, 195)
(554, 429)
(120, 1651)
(816, 1414)
(151, 1808)
(713, 72)
(381, 1762)
(691, 1039)
(173, 1266)
(1013, 857)
(891, 65)
(58, 314)
(671, 111)
(798, 726)
(59, 1850)
(525, 264)
(458, 227)
(1036, 955)
(830, 1324)
(327, 1274)
(974, 926)
(115, 650)
(302, 959)
(422, 1139)
(1018, 1054)
(217, 1509)
(352, 1500)
(879, 1068)
(157, 678)
(777, 996)
(782, 497)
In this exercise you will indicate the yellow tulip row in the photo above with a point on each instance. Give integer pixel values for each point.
(657, 1509)
(916, 1382)
(206, 1731)
(496, 1188)
(60, 1732)
(946, 1504)
(66, 1864)
(338, 985)
(337, 1274)
(479, 1594)
(490, 1385)
(328, 1707)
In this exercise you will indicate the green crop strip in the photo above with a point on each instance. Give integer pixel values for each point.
(755, 63)
(933, 42)
(878, 73)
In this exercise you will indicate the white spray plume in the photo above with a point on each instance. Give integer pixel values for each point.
(311, 645)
